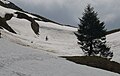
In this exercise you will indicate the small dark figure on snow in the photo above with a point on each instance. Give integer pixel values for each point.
(46, 38)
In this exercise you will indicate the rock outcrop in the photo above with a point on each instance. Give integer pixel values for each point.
(3, 23)
(34, 24)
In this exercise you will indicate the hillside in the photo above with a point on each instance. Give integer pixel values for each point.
(17, 60)
(8, 4)
(38, 56)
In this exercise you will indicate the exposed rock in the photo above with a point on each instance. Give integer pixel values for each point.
(34, 24)
(4, 25)
(1, 27)
(8, 16)
(10, 5)
(35, 27)
(23, 16)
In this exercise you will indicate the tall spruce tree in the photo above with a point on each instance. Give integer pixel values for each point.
(91, 35)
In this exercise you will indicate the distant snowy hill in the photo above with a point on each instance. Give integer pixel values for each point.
(8, 4)
(58, 35)
(21, 28)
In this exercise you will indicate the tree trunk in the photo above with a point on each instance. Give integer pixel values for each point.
(91, 49)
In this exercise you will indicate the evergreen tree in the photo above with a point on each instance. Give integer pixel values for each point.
(91, 35)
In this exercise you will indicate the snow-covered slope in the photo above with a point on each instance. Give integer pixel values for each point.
(114, 42)
(5, 1)
(61, 39)
(17, 60)
(4, 10)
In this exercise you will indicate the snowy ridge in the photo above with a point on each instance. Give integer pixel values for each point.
(5, 1)
(4, 10)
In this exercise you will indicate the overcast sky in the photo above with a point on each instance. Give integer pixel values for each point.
(68, 11)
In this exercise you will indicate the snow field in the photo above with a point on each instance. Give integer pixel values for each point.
(17, 60)
(38, 57)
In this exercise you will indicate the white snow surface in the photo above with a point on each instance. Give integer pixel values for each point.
(61, 39)
(114, 42)
(4, 10)
(17, 60)
(5, 1)
(38, 57)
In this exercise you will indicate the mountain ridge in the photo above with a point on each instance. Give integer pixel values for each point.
(13, 6)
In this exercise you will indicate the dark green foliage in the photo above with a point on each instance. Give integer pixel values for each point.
(95, 61)
(91, 34)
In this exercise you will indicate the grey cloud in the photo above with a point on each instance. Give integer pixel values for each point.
(68, 11)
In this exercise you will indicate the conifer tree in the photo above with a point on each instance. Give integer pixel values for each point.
(91, 35)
